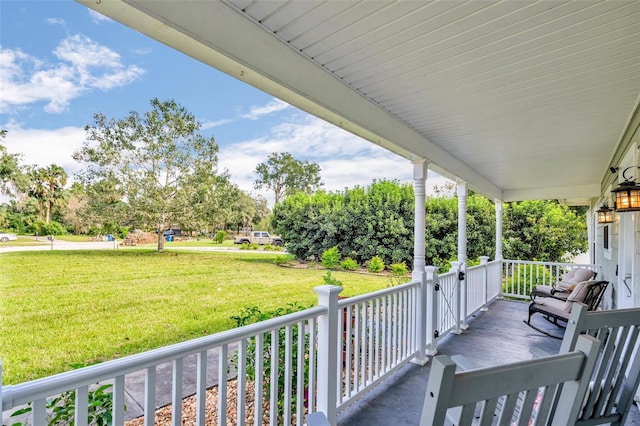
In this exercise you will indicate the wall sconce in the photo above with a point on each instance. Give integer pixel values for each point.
(605, 214)
(627, 194)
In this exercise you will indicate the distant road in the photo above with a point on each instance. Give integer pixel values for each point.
(110, 245)
(62, 245)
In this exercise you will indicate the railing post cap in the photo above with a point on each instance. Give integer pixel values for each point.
(327, 289)
(432, 269)
(455, 265)
(484, 259)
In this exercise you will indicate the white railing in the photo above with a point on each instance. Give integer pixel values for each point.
(378, 336)
(325, 358)
(521, 276)
(248, 345)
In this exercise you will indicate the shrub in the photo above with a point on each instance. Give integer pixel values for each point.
(244, 246)
(376, 264)
(399, 269)
(331, 257)
(284, 260)
(254, 246)
(329, 280)
(51, 228)
(349, 264)
(219, 237)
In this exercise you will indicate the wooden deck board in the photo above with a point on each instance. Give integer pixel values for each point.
(496, 336)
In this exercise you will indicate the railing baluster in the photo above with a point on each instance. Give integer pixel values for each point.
(370, 338)
(118, 401)
(376, 323)
(300, 390)
(356, 349)
(82, 406)
(313, 345)
(39, 411)
(223, 355)
(273, 406)
(201, 387)
(288, 372)
(259, 380)
(150, 396)
(176, 393)
(241, 375)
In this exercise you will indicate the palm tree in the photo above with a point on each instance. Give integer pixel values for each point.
(46, 187)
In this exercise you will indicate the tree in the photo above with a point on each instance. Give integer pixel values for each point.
(543, 230)
(12, 179)
(285, 175)
(47, 187)
(153, 166)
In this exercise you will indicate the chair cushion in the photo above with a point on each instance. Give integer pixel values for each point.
(580, 292)
(574, 277)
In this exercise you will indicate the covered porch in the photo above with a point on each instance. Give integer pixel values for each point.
(513, 100)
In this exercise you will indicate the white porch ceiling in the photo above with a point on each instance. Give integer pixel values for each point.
(521, 99)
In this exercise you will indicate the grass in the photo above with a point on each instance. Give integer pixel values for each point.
(64, 308)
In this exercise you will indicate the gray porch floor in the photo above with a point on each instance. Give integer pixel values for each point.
(496, 336)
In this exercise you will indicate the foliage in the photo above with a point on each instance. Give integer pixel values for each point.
(349, 264)
(399, 269)
(331, 257)
(13, 180)
(376, 264)
(42, 228)
(153, 170)
(286, 259)
(361, 222)
(331, 280)
(253, 314)
(542, 230)
(61, 409)
(46, 186)
(219, 237)
(285, 175)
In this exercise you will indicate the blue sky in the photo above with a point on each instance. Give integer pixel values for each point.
(60, 63)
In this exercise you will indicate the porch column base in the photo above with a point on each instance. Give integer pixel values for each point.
(423, 360)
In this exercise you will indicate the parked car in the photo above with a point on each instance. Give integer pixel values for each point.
(4, 237)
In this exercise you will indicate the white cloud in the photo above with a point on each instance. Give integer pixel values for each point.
(211, 124)
(55, 21)
(97, 17)
(345, 159)
(84, 65)
(143, 51)
(258, 111)
(44, 147)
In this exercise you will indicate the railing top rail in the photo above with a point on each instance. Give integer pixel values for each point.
(52, 385)
(534, 262)
(380, 293)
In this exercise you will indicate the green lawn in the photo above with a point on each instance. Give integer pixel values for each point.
(64, 308)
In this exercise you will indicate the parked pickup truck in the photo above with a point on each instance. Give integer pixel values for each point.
(259, 237)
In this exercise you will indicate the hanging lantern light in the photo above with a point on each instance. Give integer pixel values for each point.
(627, 194)
(605, 214)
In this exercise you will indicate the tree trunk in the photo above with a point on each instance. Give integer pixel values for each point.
(160, 240)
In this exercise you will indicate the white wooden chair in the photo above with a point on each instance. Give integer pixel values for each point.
(616, 377)
(524, 389)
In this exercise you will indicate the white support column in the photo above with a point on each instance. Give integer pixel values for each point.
(462, 251)
(418, 273)
(432, 287)
(328, 351)
(498, 205)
